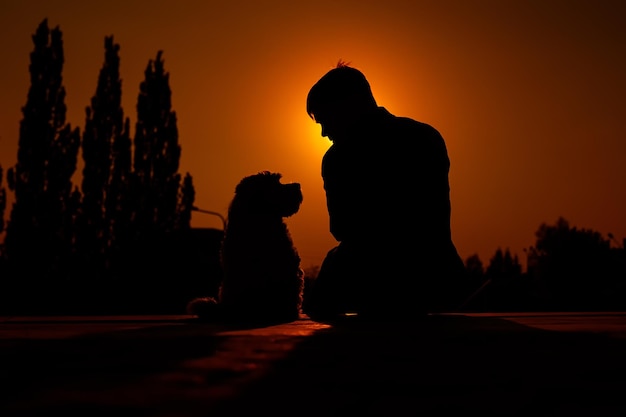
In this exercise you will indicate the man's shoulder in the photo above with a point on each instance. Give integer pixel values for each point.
(408, 123)
(411, 132)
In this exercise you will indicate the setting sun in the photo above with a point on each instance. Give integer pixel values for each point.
(530, 135)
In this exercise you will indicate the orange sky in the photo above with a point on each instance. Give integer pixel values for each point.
(529, 96)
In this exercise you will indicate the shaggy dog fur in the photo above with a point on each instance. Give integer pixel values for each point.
(262, 277)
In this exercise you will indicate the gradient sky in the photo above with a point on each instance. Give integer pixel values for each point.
(530, 96)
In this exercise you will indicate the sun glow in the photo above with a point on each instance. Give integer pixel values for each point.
(314, 135)
(309, 138)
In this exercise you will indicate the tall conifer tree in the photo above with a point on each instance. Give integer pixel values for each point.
(106, 152)
(39, 234)
(156, 154)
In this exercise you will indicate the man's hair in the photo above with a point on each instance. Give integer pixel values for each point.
(340, 84)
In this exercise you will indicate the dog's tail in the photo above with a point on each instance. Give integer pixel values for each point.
(204, 308)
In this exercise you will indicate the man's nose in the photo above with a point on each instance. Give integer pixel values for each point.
(324, 131)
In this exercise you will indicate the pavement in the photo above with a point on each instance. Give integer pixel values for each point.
(487, 364)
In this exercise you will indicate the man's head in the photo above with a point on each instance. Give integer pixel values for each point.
(339, 100)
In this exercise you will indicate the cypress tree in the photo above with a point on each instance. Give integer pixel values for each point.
(39, 235)
(156, 154)
(161, 205)
(106, 153)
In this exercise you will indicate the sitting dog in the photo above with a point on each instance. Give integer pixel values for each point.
(262, 277)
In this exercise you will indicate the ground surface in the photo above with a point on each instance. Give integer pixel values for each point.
(535, 364)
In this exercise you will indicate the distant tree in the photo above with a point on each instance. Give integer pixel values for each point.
(3, 202)
(503, 265)
(106, 154)
(503, 286)
(156, 157)
(158, 203)
(3, 205)
(39, 235)
(186, 199)
(578, 268)
(119, 209)
(475, 273)
(3, 272)
(475, 270)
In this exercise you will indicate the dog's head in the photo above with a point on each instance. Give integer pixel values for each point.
(264, 194)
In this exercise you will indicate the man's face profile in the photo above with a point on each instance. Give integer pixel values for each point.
(335, 123)
(330, 126)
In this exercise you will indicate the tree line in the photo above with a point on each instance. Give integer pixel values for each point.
(568, 269)
(123, 229)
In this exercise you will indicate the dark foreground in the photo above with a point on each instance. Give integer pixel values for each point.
(535, 364)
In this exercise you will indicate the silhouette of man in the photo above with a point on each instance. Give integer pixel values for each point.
(388, 198)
